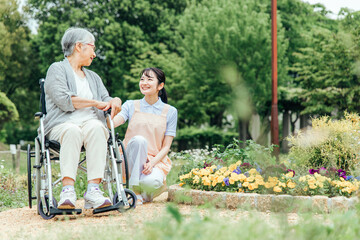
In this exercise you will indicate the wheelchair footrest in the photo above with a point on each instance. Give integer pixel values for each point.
(56, 211)
(107, 209)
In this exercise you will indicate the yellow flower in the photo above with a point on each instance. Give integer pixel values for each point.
(302, 179)
(232, 180)
(232, 167)
(242, 177)
(291, 184)
(253, 171)
(181, 184)
(281, 184)
(312, 186)
(196, 179)
(246, 184)
(305, 189)
(204, 172)
(206, 181)
(268, 185)
(253, 186)
(250, 179)
(277, 189)
(289, 174)
(238, 163)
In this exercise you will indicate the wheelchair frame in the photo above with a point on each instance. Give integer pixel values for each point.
(47, 150)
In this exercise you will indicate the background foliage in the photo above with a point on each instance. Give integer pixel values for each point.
(193, 41)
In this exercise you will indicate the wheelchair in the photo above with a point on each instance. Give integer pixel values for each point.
(46, 152)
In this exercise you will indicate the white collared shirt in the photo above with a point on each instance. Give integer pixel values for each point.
(128, 109)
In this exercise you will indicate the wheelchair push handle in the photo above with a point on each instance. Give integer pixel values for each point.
(107, 112)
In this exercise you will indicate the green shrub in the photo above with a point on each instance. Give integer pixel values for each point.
(195, 137)
(253, 153)
(328, 144)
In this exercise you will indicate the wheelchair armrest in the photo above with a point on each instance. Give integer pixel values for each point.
(38, 115)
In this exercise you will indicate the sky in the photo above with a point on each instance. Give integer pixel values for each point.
(335, 5)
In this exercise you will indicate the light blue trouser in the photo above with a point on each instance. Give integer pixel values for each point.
(136, 151)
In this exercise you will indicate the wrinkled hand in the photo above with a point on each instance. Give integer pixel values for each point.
(102, 105)
(115, 105)
(148, 167)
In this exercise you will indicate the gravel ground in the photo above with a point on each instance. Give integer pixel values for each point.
(23, 222)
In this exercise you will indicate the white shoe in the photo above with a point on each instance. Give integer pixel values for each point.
(95, 199)
(67, 199)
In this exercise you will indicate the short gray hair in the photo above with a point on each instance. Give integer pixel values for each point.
(74, 35)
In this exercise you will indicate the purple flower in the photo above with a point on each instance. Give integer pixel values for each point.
(237, 171)
(226, 181)
(341, 173)
(349, 178)
(313, 171)
(245, 164)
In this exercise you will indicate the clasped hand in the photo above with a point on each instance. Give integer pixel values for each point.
(114, 104)
(148, 167)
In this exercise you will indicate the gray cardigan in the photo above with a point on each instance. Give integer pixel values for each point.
(60, 86)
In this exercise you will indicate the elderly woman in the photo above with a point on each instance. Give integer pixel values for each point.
(75, 101)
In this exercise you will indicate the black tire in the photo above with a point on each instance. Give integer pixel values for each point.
(131, 197)
(29, 175)
(126, 164)
(46, 216)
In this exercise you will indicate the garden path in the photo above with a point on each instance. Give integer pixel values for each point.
(24, 222)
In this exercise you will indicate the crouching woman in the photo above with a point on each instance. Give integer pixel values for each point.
(151, 130)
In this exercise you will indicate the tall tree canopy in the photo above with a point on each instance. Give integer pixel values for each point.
(215, 33)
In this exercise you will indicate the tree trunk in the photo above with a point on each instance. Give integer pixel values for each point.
(285, 132)
(243, 132)
(304, 121)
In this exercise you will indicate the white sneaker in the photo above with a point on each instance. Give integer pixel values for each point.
(95, 199)
(67, 199)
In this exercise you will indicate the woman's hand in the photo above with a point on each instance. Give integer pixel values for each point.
(102, 105)
(148, 167)
(115, 105)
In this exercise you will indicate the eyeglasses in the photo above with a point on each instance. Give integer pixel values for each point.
(92, 45)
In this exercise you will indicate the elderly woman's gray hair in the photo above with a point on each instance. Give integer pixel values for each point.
(74, 35)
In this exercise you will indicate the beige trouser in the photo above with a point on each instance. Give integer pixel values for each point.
(91, 134)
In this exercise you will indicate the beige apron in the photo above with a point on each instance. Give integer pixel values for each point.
(152, 127)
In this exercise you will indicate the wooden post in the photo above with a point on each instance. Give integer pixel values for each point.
(18, 158)
(274, 102)
(13, 153)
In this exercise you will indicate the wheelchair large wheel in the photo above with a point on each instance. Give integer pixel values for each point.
(29, 175)
(47, 215)
(131, 197)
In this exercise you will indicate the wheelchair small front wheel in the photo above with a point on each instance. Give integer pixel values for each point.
(47, 215)
(131, 198)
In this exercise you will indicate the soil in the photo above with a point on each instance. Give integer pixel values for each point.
(23, 222)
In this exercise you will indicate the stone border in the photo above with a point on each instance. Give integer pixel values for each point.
(261, 202)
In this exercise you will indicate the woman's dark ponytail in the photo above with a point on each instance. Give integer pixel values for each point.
(163, 95)
(160, 75)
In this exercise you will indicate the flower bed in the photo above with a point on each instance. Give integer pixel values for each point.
(243, 178)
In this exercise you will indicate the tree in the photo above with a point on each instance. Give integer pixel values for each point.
(124, 31)
(216, 33)
(17, 67)
(327, 72)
